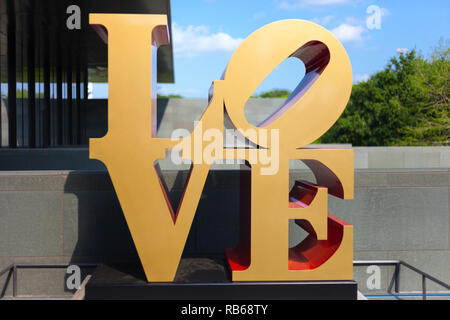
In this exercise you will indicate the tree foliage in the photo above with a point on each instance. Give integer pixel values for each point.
(405, 104)
(161, 96)
(276, 93)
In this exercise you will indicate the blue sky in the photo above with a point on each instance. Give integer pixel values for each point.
(206, 32)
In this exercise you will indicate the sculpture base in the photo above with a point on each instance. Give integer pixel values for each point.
(207, 279)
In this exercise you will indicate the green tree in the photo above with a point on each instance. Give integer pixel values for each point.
(24, 94)
(276, 93)
(405, 104)
(160, 96)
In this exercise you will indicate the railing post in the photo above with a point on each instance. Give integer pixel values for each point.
(14, 280)
(424, 287)
(397, 278)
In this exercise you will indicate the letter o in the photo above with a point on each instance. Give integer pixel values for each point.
(317, 102)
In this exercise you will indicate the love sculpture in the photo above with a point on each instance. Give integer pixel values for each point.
(130, 150)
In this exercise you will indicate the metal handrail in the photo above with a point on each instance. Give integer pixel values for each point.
(396, 276)
(395, 281)
(13, 268)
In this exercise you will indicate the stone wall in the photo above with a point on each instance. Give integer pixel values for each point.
(74, 216)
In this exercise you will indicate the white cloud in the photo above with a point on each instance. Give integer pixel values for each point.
(294, 4)
(195, 40)
(354, 21)
(402, 51)
(385, 12)
(360, 78)
(323, 20)
(349, 33)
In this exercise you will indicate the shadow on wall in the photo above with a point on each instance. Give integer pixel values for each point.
(160, 111)
(95, 230)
